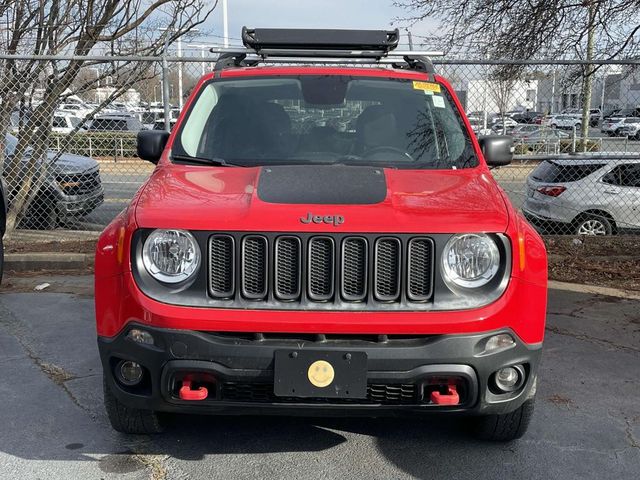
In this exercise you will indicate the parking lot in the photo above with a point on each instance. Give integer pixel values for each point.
(586, 425)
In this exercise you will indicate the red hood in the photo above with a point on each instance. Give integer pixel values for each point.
(417, 201)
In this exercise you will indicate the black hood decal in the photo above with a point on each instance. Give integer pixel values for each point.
(322, 184)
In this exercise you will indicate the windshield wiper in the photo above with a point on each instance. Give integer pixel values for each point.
(188, 159)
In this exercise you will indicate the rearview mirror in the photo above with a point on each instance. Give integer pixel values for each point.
(497, 149)
(151, 143)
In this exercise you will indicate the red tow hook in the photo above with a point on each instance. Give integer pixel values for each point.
(449, 398)
(187, 394)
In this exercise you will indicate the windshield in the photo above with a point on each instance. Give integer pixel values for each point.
(326, 119)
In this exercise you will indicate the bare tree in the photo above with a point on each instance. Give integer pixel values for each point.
(501, 84)
(583, 29)
(74, 28)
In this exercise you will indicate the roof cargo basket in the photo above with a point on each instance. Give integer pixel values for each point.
(275, 45)
(295, 39)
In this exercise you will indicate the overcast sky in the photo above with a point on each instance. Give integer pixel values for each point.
(376, 14)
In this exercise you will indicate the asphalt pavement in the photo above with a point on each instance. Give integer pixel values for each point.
(586, 425)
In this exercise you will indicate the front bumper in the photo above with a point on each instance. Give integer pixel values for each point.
(71, 207)
(242, 369)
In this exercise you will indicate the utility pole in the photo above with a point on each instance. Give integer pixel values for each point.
(588, 74)
(410, 39)
(553, 93)
(180, 93)
(225, 22)
(165, 83)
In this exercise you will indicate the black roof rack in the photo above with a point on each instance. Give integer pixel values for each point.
(316, 39)
(272, 45)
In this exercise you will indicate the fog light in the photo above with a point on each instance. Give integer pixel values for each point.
(129, 373)
(140, 336)
(509, 379)
(501, 341)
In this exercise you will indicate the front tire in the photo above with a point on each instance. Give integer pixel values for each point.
(130, 420)
(44, 216)
(505, 427)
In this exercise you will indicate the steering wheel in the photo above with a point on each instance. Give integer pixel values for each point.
(387, 148)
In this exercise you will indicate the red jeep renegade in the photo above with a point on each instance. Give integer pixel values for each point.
(321, 240)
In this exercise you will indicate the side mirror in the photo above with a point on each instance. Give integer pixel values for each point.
(497, 149)
(151, 144)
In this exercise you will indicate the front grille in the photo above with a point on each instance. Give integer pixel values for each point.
(79, 183)
(326, 271)
(384, 394)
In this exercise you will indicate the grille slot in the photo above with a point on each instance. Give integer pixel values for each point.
(254, 267)
(420, 269)
(221, 266)
(321, 268)
(287, 268)
(354, 269)
(387, 269)
(385, 394)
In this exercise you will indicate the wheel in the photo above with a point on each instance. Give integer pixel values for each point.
(44, 216)
(578, 126)
(506, 427)
(130, 420)
(593, 225)
(617, 133)
(553, 125)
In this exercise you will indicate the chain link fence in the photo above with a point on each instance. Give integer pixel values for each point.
(69, 158)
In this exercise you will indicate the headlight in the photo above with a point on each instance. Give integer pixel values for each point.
(171, 256)
(470, 260)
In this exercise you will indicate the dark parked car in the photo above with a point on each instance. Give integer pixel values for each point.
(71, 190)
(116, 122)
(527, 117)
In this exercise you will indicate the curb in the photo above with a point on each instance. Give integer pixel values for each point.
(594, 290)
(30, 262)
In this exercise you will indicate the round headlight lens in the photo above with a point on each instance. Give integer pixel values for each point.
(171, 256)
(470, 260)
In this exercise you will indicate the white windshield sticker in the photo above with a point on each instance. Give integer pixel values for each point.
(438, 101)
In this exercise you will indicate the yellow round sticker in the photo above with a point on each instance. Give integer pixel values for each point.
(321, 373)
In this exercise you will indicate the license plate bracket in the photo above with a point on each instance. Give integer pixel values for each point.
(303, 373)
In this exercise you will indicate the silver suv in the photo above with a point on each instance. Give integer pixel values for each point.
(592, 195)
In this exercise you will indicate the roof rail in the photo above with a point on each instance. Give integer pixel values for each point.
(270, 45)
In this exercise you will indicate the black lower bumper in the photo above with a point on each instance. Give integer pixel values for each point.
(239, 372)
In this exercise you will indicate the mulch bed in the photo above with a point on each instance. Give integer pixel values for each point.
(601, 261)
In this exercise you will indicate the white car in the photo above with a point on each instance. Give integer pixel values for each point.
(631, 128)
(64, 122)
(564, 121)
(76, 109)
(504, 127)
(613, 126)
